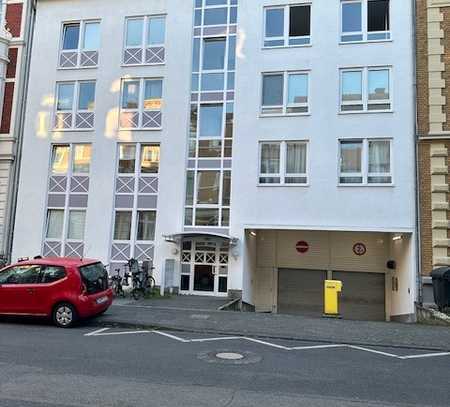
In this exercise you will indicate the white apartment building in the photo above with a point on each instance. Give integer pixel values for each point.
(247, 148)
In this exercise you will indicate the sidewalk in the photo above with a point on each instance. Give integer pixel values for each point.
(201, 316)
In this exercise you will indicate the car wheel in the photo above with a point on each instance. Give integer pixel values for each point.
(64, 315)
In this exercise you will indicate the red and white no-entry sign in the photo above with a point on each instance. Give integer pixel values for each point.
(302, 247)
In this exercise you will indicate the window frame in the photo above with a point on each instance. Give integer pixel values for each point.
(365, 157)
(286, 105)
(69, 174)
(136, 175)
(365, 90)
(144, 40)
(75, 106)
(286, 27)
(82, 23)
(365, 34)
(283, 174)
(140, 109)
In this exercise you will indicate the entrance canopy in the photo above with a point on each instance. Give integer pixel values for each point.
(178, 237)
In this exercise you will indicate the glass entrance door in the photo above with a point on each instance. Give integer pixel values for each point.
(204, 278)
(204, 268)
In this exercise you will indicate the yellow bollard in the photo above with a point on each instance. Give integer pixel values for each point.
(332, 290)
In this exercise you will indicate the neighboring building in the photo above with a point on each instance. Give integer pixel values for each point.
(15, 36)
(248, 149)
(433, 105)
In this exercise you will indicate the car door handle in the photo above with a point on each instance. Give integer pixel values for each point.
(30, 290)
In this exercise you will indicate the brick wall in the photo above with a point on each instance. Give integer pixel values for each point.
(422, 68)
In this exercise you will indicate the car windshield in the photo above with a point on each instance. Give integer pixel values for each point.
(95, 277)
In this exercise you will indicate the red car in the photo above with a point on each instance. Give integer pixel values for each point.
(64, 289)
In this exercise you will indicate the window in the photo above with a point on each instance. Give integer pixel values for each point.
(127, 154)
(287, 25)
(80, 44)
(211, 120)
(29, 274)
(51, 274)
(365, 162)
(146, 225)
(75, 105)
(365, 20)
(283, 163)
(82, 154)
(67, 200)
(55, 223)
(285, 93)
(141, 104)
(60, 159)
(214, 53)
(144, 40)
(208, 187)
(149, 159)
(122, 228)
(366, 89)
(77, 220)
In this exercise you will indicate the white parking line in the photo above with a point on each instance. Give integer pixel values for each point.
(103, 332)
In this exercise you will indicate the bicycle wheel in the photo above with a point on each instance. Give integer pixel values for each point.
(137, 293)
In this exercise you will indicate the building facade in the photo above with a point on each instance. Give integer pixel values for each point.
(15, 37)
(247, 150)
(433, 108)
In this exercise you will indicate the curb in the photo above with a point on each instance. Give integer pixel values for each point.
(175, 328)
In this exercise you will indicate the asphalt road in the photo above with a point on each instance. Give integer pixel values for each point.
(42, 366)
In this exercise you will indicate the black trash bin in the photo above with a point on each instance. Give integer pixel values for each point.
(441, 287)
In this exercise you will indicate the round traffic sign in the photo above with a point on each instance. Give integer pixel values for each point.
(302, 247)
(359, 249)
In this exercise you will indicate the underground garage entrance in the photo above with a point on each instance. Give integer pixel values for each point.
(289, 269)
(301, 292)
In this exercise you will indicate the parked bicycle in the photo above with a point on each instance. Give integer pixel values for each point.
(117, 283)
(142, 280)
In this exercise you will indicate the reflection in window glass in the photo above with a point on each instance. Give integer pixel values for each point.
(130, 97)
(76, 225)
(190, 188)
(71, 35)
(60, 159)
(91, 40)
(232, 52)
(65, 96)
(226, 190)
(206, 217)
(351, 153)
(211, 117)
(156, 30)
(272, 90)
(153, 94)
(122, 226)
(379, 84)
(209, 148)
(86, 98)
(214, 53)
(149, 159)
(213, 81)
(215, 16)
(135, 29)
(351, 17)
(275, 22)
(351, 86)
(208, 186)
(146, 225)
(127, 154)
(81, 158)
(298, 88)
(55, 222)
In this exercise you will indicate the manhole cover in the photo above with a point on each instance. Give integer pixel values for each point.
(229, 357)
